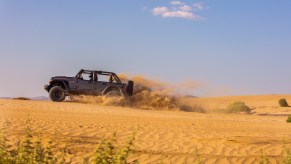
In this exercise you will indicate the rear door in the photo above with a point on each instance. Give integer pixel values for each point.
(100, 84)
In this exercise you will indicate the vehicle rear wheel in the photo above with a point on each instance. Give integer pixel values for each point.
(129, 89)
(57, 94)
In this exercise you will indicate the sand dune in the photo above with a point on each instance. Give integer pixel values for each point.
(161, 136)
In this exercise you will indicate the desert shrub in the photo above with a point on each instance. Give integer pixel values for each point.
(31, 150)
(21, 98)
(287, 157)
(264, 158)
(289, 119)
(198, 159)
(4, 153)
(238, 107)
(107, 152)
(283, 103)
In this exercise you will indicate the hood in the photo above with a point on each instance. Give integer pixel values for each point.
(62, 78)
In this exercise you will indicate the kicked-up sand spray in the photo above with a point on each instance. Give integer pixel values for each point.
(148, 94)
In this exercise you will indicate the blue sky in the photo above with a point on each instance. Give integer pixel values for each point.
(240, 47)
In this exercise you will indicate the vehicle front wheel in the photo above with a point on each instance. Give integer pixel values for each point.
(57, 94)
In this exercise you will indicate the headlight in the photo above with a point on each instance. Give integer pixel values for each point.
(51, 80)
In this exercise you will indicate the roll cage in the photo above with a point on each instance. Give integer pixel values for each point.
(112, 76)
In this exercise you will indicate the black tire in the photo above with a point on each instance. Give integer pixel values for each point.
(57, 94)
(129, 89)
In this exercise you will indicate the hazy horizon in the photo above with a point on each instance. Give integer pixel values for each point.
(230, 47)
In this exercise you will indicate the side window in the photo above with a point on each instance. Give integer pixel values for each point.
(86, 76)
(103, 78)
(114, 79)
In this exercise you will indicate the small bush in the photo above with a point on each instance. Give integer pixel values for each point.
(21, 98)
(283, 103)
(287, 157)
(4, 154)
(198, 159)
(264, 158)
(32, 150)
(238, 107)
(289, 119)
(29, 151)
(107, 152)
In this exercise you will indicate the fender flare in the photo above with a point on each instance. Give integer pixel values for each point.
(63, 84)
(111, 87)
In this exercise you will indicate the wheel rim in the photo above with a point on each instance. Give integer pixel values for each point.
(58, 94)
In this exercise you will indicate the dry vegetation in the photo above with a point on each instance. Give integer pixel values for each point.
(283, 103)
(32, 150)
(21, 98)
(238, 107)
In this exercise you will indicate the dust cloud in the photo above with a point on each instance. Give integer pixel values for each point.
(149, 95)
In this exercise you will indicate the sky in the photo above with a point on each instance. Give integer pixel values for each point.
(240, 47)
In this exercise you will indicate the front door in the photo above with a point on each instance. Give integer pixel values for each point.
(84, 86)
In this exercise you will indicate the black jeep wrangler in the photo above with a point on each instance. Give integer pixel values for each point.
(88, 82)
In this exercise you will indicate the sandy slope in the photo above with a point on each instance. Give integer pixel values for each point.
(161, 136)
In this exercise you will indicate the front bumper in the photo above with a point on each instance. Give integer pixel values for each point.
(46, 87)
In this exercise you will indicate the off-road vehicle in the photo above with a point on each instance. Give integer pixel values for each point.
(88, 82)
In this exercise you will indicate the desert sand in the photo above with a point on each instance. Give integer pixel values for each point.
(161, 136)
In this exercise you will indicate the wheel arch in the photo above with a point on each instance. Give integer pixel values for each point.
(63, 84)
(110, 88)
